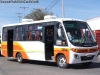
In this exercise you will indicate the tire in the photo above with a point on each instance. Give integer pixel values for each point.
(0, 52)
(87, 64)
(19, 58)
(61, 61)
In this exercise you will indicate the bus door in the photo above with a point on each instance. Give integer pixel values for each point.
(49, 42)
(10, 43)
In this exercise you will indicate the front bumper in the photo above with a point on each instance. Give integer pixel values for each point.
(82, 57)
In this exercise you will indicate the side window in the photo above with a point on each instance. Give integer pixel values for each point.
(34, 32)
(29, 33)
(4, 34)
(38, 33)
(24, 32)
(18, 33)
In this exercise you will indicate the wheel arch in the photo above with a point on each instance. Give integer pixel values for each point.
(58, 55)
(16, 54)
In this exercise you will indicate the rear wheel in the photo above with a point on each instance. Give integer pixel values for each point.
(19, 58)
(61, 61)
(87, 64)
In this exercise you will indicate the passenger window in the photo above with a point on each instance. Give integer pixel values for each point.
(4, 34)
(34, 33)
(16, 34)
(28, 33)
(38, 27)
(38, 35)
(38, 32)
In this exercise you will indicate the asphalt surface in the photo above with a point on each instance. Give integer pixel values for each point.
(45, 68)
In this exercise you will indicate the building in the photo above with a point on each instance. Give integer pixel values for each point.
(94, 23)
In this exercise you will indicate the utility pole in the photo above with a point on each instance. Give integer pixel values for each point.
(19, 16)
(24, 10)
(63, 14)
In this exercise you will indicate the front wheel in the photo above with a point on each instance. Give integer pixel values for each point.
(87, 64)
(61, 61)
(19, 58)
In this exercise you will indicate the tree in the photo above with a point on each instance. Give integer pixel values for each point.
(38, 14)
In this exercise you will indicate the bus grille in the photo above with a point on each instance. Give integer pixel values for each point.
(84, 58)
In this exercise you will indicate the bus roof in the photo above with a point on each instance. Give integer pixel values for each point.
(40, 21)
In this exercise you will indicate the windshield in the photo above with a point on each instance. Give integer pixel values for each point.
(79, 33)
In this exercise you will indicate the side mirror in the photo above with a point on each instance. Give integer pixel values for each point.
(59, 32)
(60, 26)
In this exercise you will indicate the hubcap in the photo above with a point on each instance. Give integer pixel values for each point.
(62, 61)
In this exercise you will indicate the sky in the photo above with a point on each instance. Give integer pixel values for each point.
(80, 9)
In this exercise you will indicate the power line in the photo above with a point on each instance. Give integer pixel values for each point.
(24, 10)
(19, 16)
(53, 5)
(50, 4)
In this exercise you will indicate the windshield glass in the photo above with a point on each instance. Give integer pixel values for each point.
(79, 33)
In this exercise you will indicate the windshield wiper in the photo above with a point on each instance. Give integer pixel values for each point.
(89, 39)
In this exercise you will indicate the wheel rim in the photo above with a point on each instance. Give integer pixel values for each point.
(19, 58)
(62, 61)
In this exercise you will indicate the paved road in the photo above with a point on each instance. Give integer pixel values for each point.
(44, 68)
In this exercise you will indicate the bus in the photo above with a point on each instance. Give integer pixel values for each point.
(61, 40)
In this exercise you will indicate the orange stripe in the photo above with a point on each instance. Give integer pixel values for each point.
(4, 46)
(17, 44)
(4, 53)
(17, 47)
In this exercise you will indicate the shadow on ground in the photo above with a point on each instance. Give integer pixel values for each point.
(79, 66)
(73, 66)
(1, 55)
